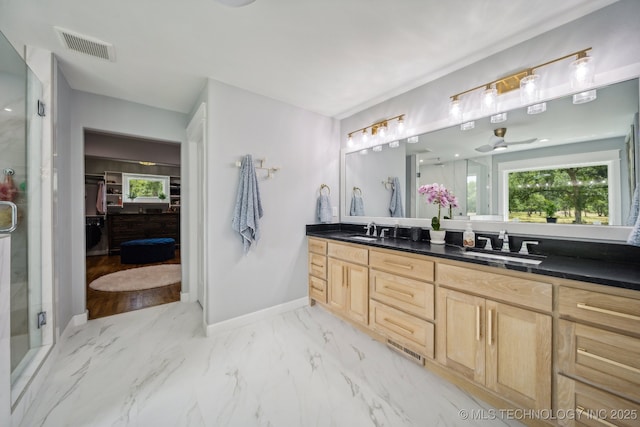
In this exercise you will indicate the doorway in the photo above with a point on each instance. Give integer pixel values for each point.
(132, 193)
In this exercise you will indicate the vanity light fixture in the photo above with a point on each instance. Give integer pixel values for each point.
(584, 97)
(377, 148)
(413, 139)
(537, 108)
(468, 125)
(394, 144)
(499, 118)
(582, 76)
(382, 130)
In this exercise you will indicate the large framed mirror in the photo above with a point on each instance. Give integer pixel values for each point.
(574, 163)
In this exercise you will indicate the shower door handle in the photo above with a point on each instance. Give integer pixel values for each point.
(14, 217)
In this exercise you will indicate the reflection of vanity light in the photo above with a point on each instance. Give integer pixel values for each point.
(421, 160)
(499, 118)
(147, 163)
(544, 140)
(537, 108)
(377, 148)
(8, 110)
(413, 139)
(584, 97)
(394, 144)
(456, 155)
(364, 152)
(468, 125)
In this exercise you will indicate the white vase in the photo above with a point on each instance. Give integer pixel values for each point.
(437, 237)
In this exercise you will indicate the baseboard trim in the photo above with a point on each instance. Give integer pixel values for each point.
(236, 322)
(80, 319)
(185, 297)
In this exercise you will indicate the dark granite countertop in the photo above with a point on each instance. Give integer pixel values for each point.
(602, 272)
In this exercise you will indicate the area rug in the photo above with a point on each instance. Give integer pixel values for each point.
(138, 279)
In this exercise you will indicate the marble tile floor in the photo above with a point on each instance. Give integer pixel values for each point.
(155, 367)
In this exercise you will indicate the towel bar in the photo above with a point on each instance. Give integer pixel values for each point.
(270, 171)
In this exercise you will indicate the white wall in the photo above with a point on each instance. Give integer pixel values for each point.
(613, 33)
(62, 200)
(305, 146)
(96, 112)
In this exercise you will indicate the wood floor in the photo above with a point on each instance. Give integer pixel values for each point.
(101, 304)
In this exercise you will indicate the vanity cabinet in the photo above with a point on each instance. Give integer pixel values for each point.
(317, 257)
(504, 347)
(402, 299)
(348, 281)
(598, 348)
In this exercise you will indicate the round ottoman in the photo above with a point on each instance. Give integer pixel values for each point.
(145, 251)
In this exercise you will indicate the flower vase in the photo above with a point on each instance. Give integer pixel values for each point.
(438, 236)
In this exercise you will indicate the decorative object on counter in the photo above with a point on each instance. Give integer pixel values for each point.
(162, 196)
(132, 196)
(323, 205)
(395, 205)
(469, 237)
(357, 203)
(8, 190)
(248, 208)
(550, 209)
(443, 198)
(138, 279)
(415, 233)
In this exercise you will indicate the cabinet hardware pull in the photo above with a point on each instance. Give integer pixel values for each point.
(395, 264)
(605, 311)
(585, 352)
(581, 411)
(317, 265)
(317, 288)
(397, 325)
(344, 276)
(477, 323)
(490, 326)
(400, 291)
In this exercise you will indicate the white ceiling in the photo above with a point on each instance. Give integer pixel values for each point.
(333, 57)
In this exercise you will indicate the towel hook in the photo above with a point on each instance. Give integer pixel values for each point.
(387, 183)
(323, 186)
(270, 171)
(357, 191)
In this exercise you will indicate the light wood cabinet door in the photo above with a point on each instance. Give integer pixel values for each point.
(460, 333)
(518, 354)
(358, 293)
(337, 281)
(349, 289)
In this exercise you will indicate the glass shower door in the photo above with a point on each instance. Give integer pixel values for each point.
(20, 201)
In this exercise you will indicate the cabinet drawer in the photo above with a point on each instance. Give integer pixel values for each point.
(416, 268)
(403, 293)
(355, 254)
(600, 308)
(318, 289)
(588, 406)
(317, 246)
(416, 334)
(526, 292)
(605, 358)
(318, 265)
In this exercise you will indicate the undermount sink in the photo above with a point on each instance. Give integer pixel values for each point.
(502, 257)
(364, 238)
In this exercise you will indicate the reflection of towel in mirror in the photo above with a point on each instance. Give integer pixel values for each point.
(323, 209)
(248, 209)
(101, 200)
(634, 215)
(635, 207)
(395, 206)
(357, 206)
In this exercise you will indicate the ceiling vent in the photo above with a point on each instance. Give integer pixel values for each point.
(85, 44)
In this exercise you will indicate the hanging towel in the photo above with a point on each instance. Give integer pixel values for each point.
(248, 209)
(395, 206)
(323, 209)
(635, 208)
(357, 205)
(101, 200)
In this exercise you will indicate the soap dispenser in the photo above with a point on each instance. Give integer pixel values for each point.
(469, 237)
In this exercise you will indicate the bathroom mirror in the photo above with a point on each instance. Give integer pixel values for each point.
(577, 163)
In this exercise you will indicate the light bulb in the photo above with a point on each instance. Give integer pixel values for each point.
(530, 89)
(400, 126)
(365, 136)
(499, 118)
(582, 72)
(468, 125)
(377, 148)
(455, 110)
(537, 108)
(394, 144)
(350, 141)
(489, 100)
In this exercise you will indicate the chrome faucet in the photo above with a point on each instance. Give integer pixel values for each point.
(375, 229)
(487, 245)
(505, 241)
(524, 249)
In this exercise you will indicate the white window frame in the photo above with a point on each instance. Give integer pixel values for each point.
(609, 158)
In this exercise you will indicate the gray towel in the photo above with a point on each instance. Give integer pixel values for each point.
(395, 206)
(634, 236)
(323, 209)
(357, 206)
(635, 208)
(248, 209)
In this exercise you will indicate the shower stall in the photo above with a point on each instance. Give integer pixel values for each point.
(21, 111)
